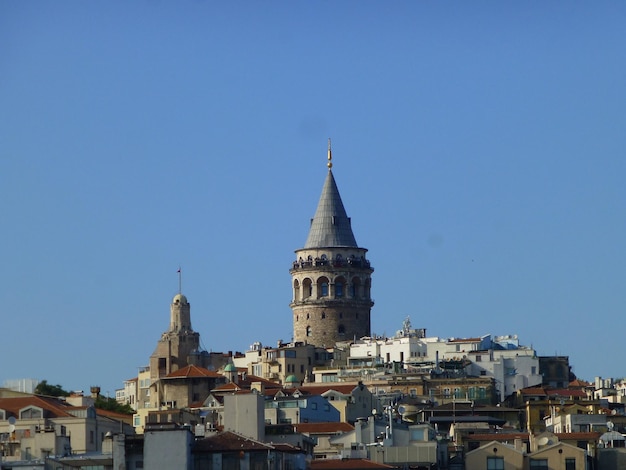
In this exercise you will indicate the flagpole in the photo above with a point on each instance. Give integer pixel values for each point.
(180, 280)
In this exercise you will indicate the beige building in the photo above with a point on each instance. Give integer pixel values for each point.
(331, 276)
(496, 455)
(294, 360)
(35, 427)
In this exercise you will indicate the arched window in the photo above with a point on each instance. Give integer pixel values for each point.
(355, 287)
(308, 331)
(307, 288)
(323, 314)
(322, 287)
(324, 292)
(339, 289)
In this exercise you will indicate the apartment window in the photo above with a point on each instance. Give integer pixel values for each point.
(458, 393)
(478, 358)
(570, 464)
(539, 464)
(446, 392)
(495, 463)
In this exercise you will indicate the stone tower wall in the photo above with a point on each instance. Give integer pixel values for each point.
(331, 296)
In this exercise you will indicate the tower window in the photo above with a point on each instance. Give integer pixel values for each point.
(324, 289)
(341, 330)
(338, 289)
(323, 314)
(308, 331)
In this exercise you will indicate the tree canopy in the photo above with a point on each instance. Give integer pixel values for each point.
(44, 388)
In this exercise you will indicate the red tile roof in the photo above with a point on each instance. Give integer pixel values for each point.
(320, 389)
(498, 437)
(323, 428)
(55, 407)
(192, 371)
(229, 441)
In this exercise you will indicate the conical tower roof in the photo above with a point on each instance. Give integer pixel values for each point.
(331, 225)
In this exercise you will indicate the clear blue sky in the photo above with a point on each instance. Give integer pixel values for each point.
(479, 148)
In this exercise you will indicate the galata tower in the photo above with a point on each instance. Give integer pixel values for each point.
(330, 277)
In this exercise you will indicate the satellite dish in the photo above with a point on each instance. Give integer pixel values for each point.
(12, 420)
(11, 427)
(543, 441)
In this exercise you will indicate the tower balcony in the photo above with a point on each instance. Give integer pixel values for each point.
(344, 302)
(312, 264)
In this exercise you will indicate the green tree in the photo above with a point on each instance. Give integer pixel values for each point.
(44, 388)
(111, 404)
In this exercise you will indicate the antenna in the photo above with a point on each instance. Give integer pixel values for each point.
(180, 280)
(330, 156)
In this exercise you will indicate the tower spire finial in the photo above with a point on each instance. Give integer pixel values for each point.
(330, 156)
(180, 281)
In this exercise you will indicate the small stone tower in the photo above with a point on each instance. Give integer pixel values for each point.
(178, 344)
(331, 278)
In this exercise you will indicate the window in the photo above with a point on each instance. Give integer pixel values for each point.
(324, 289)
(308, 331)
(570, 464)
(495, 463)
(539, 464)
(338, 289)
(478, 358)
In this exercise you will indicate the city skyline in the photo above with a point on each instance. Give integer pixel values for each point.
(478, 150)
